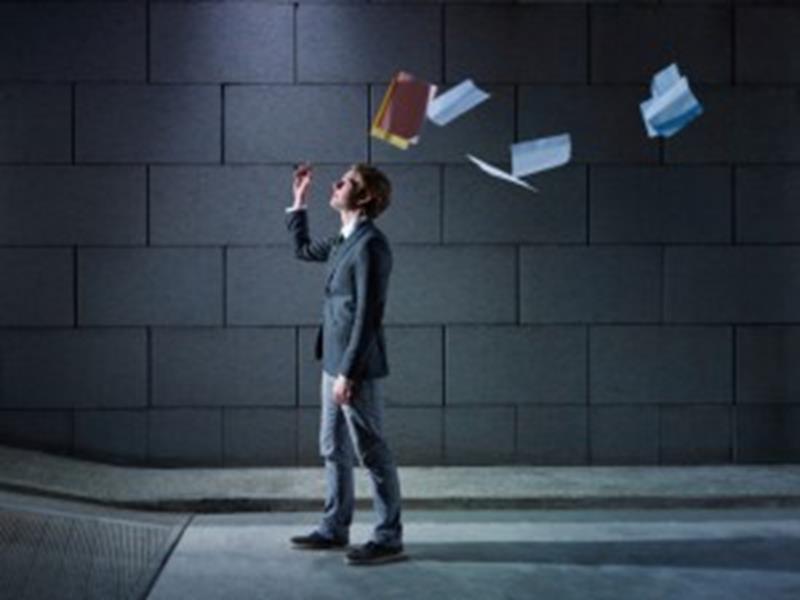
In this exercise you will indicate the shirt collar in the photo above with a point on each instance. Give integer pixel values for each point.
(350, 227)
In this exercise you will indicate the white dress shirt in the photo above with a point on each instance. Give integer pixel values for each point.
(346, 229)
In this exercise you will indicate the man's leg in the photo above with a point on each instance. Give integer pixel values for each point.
(336, 449)
(365, 422)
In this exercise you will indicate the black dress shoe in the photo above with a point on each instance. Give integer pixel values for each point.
(373, 553)
(316, 541)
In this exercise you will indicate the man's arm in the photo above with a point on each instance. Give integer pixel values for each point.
(371, 274)
(304, 247)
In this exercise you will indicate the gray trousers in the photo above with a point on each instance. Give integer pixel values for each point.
(350, 435)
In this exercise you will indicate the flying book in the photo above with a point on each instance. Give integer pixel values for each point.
(402, 110)
(455, 102)
(529, 157)
(671, 106)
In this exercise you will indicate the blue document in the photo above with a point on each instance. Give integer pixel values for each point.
(500, 174)
(455, 102)
(534, 156)
(531, 156)
(671, 106)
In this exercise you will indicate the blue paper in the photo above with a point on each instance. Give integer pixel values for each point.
(672, 105)
(534, 156)
(455, 102)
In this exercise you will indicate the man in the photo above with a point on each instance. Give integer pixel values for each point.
(352, 347)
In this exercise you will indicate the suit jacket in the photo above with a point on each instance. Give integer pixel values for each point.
(351, 339)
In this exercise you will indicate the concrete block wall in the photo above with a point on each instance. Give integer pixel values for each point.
(644, 308)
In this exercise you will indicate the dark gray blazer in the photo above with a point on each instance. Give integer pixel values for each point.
(351, 338)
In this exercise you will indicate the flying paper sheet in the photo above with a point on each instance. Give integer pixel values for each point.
(531, 156)
(537, 155)
(500, 174)
(402, 110)
(455, 102)
(672, 105)
(664, 79)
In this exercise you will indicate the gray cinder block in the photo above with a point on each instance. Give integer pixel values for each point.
(590, 284)
(479, 435)
(661, 364)
(516, 365)
(185, 436)
(38, 286)
(74, 368)
(112, 435)
(150, 286)
(36, 123)
(260, 436)
(603, 120)
(481, 209)
(225, 42)
(732, 284)
(552, 435)
(147, 123)
(630, 43)
(270, 286)
(695, 434)
(766, 44)
(452, 284)
(768, 433)
(624, 434)
(766, 364)
(42, 430)
(739, 124)
(280, 123)
(72, 205)
(414, 434)
(60, 41)
(223, 367)
(346, 43)
(660, 204)
(767, 210)
(219, 205)
(514, 43)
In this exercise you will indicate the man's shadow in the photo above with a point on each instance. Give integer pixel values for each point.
(757, 553)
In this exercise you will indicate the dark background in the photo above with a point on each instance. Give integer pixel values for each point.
(642, 309)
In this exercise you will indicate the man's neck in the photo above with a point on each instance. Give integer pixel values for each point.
(349, 216)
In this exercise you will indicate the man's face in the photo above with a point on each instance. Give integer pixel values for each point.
(344, 190)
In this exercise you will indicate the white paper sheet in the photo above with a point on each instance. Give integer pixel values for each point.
(500, 174)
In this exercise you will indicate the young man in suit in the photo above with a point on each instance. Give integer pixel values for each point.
(352, 347)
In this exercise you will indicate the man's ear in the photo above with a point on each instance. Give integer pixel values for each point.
(365, 199)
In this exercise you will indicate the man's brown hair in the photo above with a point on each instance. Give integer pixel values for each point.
(376, 185)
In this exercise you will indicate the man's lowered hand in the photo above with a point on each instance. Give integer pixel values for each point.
(344, 390)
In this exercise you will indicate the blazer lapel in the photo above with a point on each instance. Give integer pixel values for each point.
(360, 230)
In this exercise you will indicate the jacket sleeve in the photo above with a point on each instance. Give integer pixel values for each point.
(304, 247)
(371, 273)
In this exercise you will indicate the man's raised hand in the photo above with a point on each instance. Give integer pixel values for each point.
(302, 181)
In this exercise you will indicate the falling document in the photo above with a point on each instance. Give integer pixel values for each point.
(531, 156)
(499, 173)
(534, 156)
(455, 102)
(672, 105)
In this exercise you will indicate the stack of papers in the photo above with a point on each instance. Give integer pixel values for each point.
(402, 110)
(455, 102)
(529, 157)
(671, 106)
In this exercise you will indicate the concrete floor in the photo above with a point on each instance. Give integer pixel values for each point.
(548, 554)
(630, 533)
